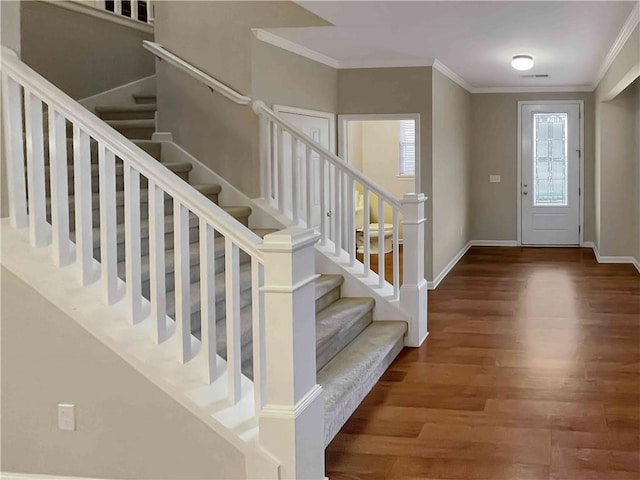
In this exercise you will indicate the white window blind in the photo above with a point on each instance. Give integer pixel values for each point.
(407, 147)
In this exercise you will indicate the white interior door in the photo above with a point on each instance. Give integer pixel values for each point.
(550, 188)
(319, 126)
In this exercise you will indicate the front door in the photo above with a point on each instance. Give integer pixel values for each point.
(550, 188)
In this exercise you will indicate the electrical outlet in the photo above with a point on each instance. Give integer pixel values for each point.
(66, 416)
(494, 178)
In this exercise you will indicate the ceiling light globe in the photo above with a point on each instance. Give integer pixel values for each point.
(522, 62)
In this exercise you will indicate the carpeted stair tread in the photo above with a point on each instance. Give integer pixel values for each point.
(144, 98)
(194, 259)
(144, 196)
(168, 226)
(175, 167)
(238, 211)
(338, 324)
(208, 188)
(132, 123)
(326, 283)
(351, 374)
(220, 281)
(140, 107)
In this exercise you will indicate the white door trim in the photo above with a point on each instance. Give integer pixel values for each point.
(313, 113)
(521, 103)
(342, 134)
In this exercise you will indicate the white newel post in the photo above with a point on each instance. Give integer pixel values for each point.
(292, 419)
(413, 293)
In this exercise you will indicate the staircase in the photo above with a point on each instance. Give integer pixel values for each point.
(348, 343)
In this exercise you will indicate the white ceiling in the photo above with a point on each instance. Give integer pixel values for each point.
(476, 40)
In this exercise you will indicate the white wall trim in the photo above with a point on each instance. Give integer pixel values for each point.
(89, 9)
(558, 89)
(129, 88)
(445, 271)
(34, 476)
(293, 47)
(610, 258)
(453, 76)
(494, 243)
(521, 103)
(623, 36)
(382, 63)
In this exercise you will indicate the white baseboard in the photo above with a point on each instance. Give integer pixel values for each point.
(436, 281)
(494, 243)
(610, 258)
(38, 476)
(121, 94)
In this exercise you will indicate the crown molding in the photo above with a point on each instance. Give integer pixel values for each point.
(453, 76)
(293, 47)
(623, 36)
(288, 45)
(570, 88)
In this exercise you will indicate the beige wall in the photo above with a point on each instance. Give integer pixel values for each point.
(451, 170)
(616, 177)
(221, 134)
(619, 213)
(10, 24)
(81, 54)
(395, 90)
(494, 152)
(126, 426)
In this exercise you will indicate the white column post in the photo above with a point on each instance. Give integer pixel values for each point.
(292, 420)
(413, 293)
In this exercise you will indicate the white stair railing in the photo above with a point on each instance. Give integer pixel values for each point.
(83, 233)
(294, 165)
(288, 186)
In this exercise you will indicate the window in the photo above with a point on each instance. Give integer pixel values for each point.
(407, 148)
(550, 159)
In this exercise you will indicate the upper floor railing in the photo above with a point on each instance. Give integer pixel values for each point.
(140, 10)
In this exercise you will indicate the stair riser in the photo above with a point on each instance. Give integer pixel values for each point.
(144, 99)
(326, 352)
(129, 115)
(138, 133)
(327, 299)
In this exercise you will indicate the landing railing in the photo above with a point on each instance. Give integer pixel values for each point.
(314, 188)
(98, 199)
(140, 10)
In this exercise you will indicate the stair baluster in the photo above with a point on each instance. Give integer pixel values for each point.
(14, 148)
(59, 189)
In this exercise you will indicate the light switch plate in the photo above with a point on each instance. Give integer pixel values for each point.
(66, 416)
(494, 178)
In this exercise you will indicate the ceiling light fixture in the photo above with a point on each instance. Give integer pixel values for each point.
(522, 62)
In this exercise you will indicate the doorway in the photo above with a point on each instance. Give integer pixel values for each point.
(550, 172)
(320, 127)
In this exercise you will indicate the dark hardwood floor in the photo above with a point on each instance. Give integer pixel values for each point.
(531, 371)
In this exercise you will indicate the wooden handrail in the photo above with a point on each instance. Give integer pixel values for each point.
(164, 54)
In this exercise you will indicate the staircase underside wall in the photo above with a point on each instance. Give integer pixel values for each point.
(126, 426)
